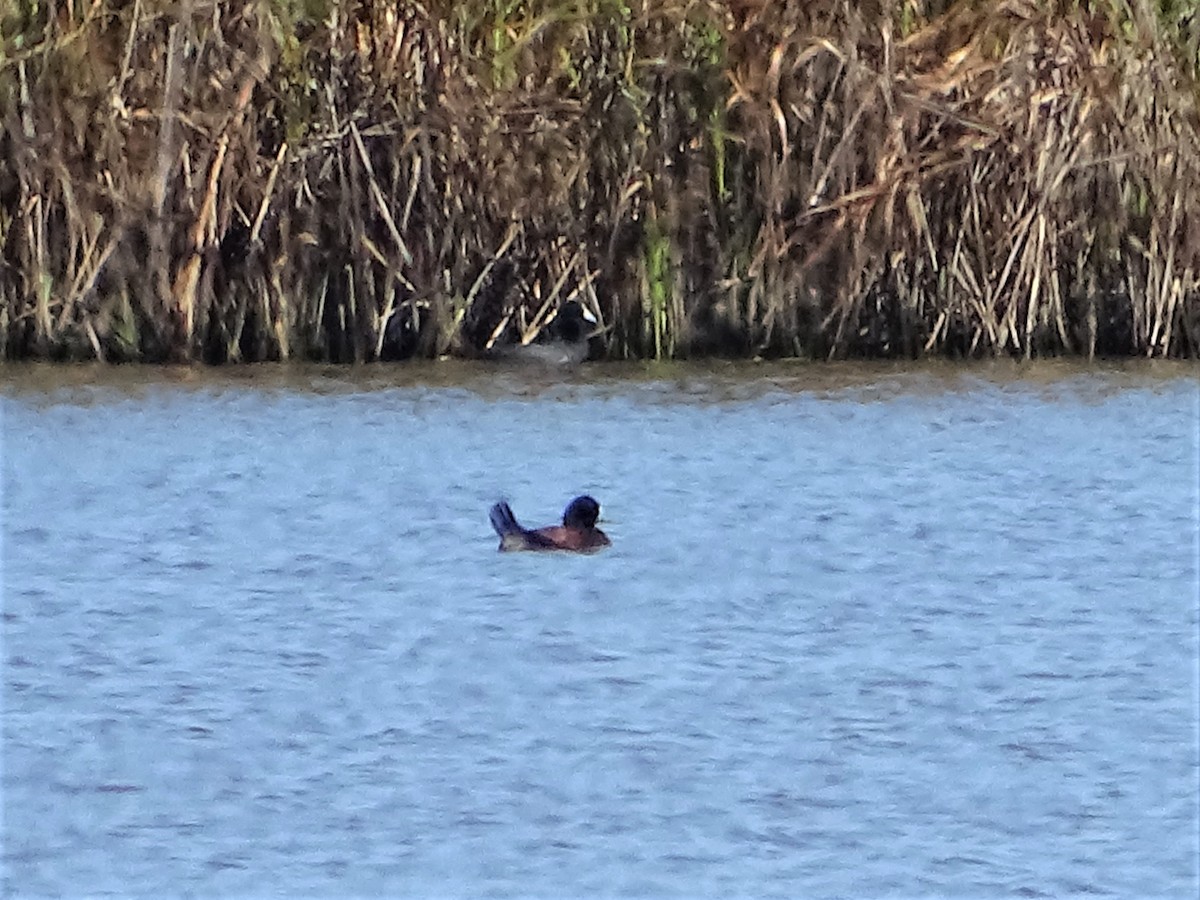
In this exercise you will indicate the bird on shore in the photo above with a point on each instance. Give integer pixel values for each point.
(578, 531)
(570, 331)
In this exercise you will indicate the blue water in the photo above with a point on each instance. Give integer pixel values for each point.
(861, 633)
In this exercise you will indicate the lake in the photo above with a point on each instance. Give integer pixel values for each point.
(863, 631)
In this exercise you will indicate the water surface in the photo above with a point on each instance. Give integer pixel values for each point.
(863, 631)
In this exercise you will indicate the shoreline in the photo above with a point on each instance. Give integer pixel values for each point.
(731, 377)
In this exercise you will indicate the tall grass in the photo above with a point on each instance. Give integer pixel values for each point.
(228, 180)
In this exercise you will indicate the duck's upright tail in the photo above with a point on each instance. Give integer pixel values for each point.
(512, 535)
(504, 521)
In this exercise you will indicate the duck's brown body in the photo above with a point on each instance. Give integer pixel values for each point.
(577, 533)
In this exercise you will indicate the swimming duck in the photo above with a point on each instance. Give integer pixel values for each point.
(578, 531)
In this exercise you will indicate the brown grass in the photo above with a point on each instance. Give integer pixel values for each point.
(223, 181)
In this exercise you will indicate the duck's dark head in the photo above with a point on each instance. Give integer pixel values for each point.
(582, 512)
(574, 323)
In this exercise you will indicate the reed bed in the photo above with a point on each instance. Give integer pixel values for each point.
(354, 180)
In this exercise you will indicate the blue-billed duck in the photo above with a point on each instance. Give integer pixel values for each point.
(578, 531)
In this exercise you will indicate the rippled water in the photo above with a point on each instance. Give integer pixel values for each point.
(862, 632)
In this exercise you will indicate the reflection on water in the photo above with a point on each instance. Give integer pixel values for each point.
(863, 630)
